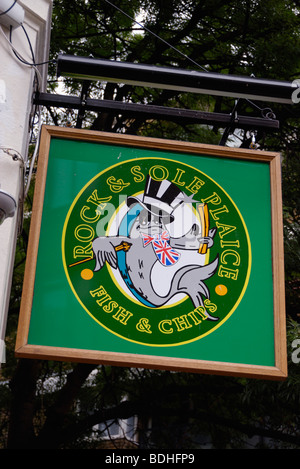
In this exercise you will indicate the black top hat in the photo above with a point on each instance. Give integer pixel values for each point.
(159, 197)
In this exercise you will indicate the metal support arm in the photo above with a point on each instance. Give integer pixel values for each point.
(180, 116)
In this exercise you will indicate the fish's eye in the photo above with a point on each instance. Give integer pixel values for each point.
(144, 217)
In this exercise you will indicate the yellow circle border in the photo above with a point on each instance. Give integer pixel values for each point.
(115, 333)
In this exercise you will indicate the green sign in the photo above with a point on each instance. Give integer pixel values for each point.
(155, 253)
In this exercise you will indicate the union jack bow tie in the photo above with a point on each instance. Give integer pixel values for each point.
(160, 242)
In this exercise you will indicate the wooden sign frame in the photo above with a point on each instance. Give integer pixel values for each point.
(35, 320)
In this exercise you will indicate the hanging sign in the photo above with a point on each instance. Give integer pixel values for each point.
(155, 253)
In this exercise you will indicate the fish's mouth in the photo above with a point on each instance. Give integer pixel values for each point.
(150, 230)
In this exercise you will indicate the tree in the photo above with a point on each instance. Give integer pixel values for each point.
(216, 36)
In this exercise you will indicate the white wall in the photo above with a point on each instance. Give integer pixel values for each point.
(16, 91)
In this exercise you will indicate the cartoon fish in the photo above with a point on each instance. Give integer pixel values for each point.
(156, 265)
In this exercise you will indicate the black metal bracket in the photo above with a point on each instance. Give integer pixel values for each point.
(234, 119)
(83, 100)
(131, 110)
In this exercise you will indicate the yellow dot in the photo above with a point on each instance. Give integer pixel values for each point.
(221, 290)
(87, 274)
